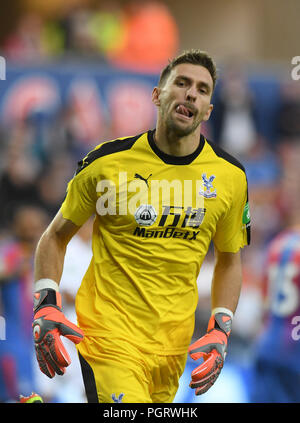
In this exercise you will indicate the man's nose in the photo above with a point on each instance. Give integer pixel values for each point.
(191, 94)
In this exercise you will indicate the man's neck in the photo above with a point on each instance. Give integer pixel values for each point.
(174, 145)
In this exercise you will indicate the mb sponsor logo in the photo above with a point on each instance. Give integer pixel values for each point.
(175, 222)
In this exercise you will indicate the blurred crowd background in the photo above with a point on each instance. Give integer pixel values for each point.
(80, 72)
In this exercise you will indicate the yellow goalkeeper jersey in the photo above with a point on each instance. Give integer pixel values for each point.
(155, 217)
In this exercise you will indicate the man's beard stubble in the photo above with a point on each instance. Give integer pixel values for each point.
(176, 130)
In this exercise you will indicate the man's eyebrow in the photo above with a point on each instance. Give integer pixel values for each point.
(184, 78)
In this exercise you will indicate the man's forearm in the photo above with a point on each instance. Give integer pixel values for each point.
(51, 249)
(49, 258)
(227, 281)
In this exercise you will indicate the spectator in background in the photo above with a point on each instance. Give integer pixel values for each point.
(140, 36)
(17, 182)
(81, 40)
(289, 113)
(16, 287)
(28, 179)
(276, 370)
(51, 184)
(263, 165)
(234, 112)
(25, 44)
(107, 27)
(151, 37)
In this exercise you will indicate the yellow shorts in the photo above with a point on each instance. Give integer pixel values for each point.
(116, 371)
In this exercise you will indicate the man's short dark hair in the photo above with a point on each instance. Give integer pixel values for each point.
(194, 57)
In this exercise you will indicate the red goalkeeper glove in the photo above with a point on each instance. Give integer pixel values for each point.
(212, 348)
(48, 324)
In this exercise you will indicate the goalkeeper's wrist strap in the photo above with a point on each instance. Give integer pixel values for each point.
(46, 293)
(221, 319)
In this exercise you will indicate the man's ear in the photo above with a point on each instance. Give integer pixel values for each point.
(208, 113)
(155, 96)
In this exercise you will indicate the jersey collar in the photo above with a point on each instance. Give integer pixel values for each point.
(174, 160)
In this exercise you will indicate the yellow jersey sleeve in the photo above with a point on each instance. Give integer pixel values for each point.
(80, 200)
(233, 228)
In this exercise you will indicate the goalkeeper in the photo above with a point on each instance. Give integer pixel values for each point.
(136, 303)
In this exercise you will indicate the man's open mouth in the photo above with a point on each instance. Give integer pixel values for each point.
(185, 111)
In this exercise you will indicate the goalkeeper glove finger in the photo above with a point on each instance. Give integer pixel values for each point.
(212, 348)
(48, 325)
